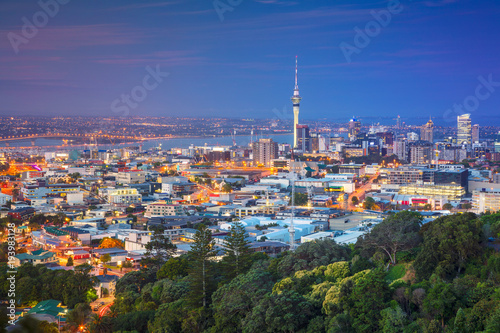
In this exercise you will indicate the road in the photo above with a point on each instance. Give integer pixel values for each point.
(360, 192)
(104, 309)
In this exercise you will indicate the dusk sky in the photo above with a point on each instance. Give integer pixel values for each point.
(425, 60)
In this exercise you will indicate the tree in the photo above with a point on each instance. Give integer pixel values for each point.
(174, 268)
(448, 243)
(100, 324)
(300, 199)
(158, 250)
(440, 301)
(133, 217)
(447, 206)
(108, 243)
(369, 297)
(308, 256)
(105, 258)
(397, 232)
(467, 206)
(233, 301)
(460, 322)
(227, 188)
(237, 259)
(78, 315)
(284, 312)
(394, 320)
(200, 275)
(354, 200)
(369, 203)
(127, 264)
(70, 261)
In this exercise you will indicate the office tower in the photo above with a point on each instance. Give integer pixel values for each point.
(303, 138)
(398, 122)
(296, 104)
(354, 128)
(464, 135)
(475, 133)
(420, 152)
(315, 142)
(386, 137)
(427, 132)
(497, 143)
(264, 151)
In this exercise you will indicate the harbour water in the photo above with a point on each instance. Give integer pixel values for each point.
(166, 144)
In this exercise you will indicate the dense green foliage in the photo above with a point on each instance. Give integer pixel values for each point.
(446, 280)
(38, 283)
(158, 250)
(443, 276)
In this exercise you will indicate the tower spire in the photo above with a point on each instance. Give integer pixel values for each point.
(296, 103)
(296, 90)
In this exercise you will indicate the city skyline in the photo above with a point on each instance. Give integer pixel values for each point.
(85, 58)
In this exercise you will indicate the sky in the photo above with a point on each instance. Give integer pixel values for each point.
(236, 58)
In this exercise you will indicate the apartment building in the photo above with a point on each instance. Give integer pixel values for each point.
(163, 209)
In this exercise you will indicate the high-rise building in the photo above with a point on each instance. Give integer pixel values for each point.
(412, 136)
(420, 152)
(398, 122)
(475, 133)
(264, 151)
(400, 150)
(354, 128)
(296, 104)
(303, 138)
(464, 130)
(497, 143)
(427, 132)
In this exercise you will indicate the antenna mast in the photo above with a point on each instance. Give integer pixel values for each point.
(291, 229)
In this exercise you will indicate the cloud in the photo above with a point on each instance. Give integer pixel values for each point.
(168, 58)
(146, 5)
(438, 3)
(76, 36)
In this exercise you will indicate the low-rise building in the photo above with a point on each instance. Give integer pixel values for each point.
(37, 257)
(163, 209)
(486, 200)
(131, 177)
(49, 310)
(41, 190)
(23, 213)
(452, 192)
(124, 195)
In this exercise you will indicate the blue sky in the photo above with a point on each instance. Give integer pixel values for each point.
(427, 59)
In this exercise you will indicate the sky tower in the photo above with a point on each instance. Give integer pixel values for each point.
(296, 104)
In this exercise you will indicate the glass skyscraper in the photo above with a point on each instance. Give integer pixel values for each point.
(464, 133)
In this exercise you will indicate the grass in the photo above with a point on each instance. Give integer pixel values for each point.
(396, 272)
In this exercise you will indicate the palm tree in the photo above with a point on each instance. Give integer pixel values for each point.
(100, 324)
(77, 317)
